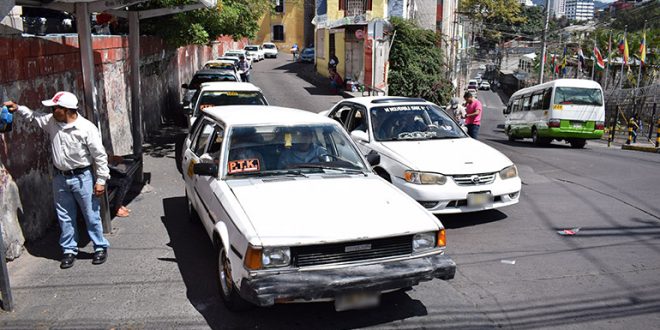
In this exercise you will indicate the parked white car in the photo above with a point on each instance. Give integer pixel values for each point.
(425, 153)
(296, 215)
(255, 49)
(238, 53)
(270, 49)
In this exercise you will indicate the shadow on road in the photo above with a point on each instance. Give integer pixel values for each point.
(455, 221)
(307, 73)
(196, 260)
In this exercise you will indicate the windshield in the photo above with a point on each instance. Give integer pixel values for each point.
(269, 46)
(234, 54)
(202, 78)
(220, 66)
(253, 48)
(413, 122)
(218, 98)
(581, 96)
(287, 150)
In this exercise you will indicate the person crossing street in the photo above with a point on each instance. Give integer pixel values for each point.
(78, 155)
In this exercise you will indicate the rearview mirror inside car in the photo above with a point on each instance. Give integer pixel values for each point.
(205, 169)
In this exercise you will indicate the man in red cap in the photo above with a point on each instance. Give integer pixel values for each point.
(75, 146)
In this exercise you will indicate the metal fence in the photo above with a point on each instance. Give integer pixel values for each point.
(621, 104)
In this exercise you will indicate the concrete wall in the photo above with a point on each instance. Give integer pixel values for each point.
(34, 68)
(293, 20)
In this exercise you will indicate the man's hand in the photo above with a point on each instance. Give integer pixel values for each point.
(99, 189)
(11, 106)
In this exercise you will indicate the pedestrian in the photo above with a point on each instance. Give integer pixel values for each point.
(244, 68)
(121, 181)
(633, 123)
(458, 110)
(75, 147)
(294, 51)
(336, 82)
(473, 111)
(334, 61)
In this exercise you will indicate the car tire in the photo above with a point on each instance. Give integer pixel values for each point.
(578, 143)
(178, 151)
(233, 301)
(509, 134)
(193, 216)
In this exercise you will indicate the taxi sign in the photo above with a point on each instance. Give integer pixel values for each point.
(557, 107)
(243, 166)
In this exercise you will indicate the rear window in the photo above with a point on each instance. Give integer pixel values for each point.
(578, 96)
(202, 78)
(251, 48)
(269, 46)
(219, 98)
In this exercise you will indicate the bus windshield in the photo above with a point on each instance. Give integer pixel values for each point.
(578, 96)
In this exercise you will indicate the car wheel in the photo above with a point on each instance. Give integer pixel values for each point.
(233, 301)
(578, 143)
(193, 216)
(178, 151)
(509, 134)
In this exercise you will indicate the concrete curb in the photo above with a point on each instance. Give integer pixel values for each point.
(641, 148)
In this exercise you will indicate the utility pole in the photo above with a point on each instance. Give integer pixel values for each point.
(545, 31)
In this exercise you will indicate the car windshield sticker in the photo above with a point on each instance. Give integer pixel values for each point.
(288, 142)
(243, 166)
(405, 108)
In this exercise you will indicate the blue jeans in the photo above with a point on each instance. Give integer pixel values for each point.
(72, 190)
(473, 130)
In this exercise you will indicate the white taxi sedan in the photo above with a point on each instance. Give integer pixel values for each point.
(296, 214)
(426, 154)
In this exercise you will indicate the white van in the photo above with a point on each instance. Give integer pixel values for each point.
(565, 109)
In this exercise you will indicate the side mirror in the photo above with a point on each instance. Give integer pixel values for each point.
(360, 136)
(185, 86)
(205, 169)
(506, 111)
(373, 158)
(187, 110)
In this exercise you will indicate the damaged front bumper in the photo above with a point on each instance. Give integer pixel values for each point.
(265, 289)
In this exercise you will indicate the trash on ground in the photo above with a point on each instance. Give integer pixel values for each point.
(568, 232)
(508, 262)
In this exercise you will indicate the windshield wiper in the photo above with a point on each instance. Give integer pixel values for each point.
(334, 168)
(272, 173)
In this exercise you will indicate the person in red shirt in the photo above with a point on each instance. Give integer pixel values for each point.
(473, 110)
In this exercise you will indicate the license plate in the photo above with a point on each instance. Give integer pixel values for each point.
(576, 124)
(479, 199)
(356, 300)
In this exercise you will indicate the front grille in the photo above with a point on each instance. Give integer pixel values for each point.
(322, 254)
(473, 180)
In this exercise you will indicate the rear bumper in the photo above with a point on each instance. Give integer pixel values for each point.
(266, 289)
(571, 133)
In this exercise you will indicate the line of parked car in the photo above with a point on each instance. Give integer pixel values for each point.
(303, 207)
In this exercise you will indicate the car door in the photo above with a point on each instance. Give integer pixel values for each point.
(341, 113)
(358, 121)
(191, 156)
(206, 186)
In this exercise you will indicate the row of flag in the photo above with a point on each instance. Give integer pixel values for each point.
(559, 66)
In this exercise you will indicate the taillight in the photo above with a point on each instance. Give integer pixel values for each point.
(554, 123)
(600, 125)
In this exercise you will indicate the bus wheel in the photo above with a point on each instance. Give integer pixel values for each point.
(537, 140)
(578, 143)
(509, 134)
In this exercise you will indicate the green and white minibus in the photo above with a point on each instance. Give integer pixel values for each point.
(565, 109)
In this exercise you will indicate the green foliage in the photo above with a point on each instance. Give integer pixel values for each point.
(417, 64)
(236, 18)
(504, 11)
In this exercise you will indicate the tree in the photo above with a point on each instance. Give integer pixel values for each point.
(505, 11)
(417, 65)
(237, 18)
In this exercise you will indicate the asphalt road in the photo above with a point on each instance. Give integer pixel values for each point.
(161, 268)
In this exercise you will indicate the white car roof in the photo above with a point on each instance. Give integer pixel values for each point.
(223, 86)
(242, 51)
(218, 62)
(368, 101)
(233, 115)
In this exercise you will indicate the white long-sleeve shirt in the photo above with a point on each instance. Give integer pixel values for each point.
(73, 145)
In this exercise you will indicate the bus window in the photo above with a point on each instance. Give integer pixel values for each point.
(536, 102)
(547, 98)
(513, 105)
(527, 103)
(519, 106)
(576, 95)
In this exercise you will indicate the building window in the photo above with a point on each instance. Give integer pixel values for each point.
(331, 44)
(278, 32)
(279, 6)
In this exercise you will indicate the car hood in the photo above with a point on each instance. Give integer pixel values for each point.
(449, 156)
(320, 209)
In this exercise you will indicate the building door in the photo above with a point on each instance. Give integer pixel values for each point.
(354, 66)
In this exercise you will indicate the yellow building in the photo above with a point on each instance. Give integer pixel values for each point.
(341, 28)
(284, 26)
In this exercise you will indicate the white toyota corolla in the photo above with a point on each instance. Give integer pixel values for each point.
(426, 154)
(296, 214)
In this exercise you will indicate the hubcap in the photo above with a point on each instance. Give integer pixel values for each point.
(225, 271)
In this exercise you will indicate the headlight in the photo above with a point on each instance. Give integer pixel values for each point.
(276, 257)
(423, 241)
(509, 172)
(424, 177)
